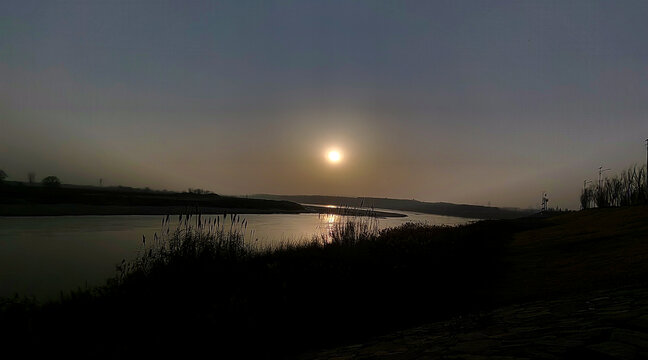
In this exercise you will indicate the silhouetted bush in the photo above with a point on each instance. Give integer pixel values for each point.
(199, 191)
(51, 181)
(3, 175)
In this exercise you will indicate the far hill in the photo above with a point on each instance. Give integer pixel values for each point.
(436, 208)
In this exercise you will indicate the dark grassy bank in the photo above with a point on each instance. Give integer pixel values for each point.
(436, 208)
(577, 252)
(202, 290)
(18, 199)
(575, 288)
(205, 290)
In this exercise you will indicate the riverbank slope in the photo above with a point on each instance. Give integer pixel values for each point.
(573, 287)
(209, 293)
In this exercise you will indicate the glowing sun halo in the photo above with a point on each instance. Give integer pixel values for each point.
(334, 156)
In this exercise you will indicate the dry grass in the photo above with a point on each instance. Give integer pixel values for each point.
(201, 287)
(579, 251)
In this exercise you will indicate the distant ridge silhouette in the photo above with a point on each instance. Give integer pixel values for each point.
(436, 208)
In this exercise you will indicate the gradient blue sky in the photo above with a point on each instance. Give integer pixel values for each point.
(459, 101)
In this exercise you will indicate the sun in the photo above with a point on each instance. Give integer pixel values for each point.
(334, 156)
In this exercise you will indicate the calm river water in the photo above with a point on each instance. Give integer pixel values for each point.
(43, 256)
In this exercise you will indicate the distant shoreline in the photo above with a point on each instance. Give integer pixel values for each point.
(17, 210)
(351, 211)
(18, 199)
(437, 208)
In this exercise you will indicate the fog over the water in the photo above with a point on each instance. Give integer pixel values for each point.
(458, 101)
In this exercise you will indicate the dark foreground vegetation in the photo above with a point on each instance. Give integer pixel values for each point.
(201, 289)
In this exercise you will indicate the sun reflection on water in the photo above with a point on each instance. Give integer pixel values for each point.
(327, 225)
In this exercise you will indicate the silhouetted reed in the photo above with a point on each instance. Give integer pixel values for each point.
(628, 188)
(200, 285)
(194, 239)
(348, 228)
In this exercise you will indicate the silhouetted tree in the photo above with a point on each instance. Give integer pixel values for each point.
(627, 189)
(199, 191)
(586, 198)
(601, 198)
(51, 181)
(31, 177)
(3, 175)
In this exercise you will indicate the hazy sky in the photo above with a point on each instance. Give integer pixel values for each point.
(459, 101)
